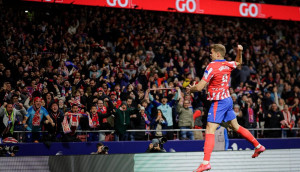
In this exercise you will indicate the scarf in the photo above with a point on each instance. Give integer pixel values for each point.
(103, 110)
(65, 125)
(287, 119)
(36, 120)
(55, 116)
(94, 121)
(63, 91)
(9, 122)
(74, 122)
(74, 118)
(251, 115)
(147, 123)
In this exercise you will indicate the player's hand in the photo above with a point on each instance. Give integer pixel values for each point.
(188, 88)
(240, 47)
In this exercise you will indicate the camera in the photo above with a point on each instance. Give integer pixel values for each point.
(157, 145)
(105, 149)
(4, 149)
(102, 149)
(162, 140)
(159, 141)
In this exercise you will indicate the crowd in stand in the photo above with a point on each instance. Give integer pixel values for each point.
(92, 68)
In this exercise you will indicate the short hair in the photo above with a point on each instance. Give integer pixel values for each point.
(75, 105)
(219, 48)
(186, 101)
(99, 144)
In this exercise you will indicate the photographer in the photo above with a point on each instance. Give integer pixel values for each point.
(157, 145)
(8, 150)
(101, 149)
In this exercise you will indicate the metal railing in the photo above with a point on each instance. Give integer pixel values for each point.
(258, 131)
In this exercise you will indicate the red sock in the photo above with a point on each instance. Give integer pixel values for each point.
(247, 135)
(208, 146)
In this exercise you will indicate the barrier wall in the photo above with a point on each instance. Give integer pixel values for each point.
(286, 160)
(79, 148)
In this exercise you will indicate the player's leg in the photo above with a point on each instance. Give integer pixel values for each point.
(209, 140)
(231, 119)
(208, 146)
(215, 116)
(248, 136)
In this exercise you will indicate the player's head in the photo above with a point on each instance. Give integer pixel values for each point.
(217, 51)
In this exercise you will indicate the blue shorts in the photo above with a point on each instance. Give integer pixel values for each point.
(221, 110)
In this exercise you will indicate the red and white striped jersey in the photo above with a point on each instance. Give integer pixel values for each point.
(217, 73)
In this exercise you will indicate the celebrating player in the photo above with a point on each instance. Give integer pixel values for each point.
(217, 74)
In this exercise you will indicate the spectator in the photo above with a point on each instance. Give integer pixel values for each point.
(94, 123)
(8, 119)
(289, 122)
(185, 120)
(71, 124)
(197, 116)
(260, 114)
(57, 116)
(105, 118)
(166, 108)
(273, 120)
(159, 122)
(249, 115)
(33, 120)
(122, 122)
(134, 118)
(143, 121)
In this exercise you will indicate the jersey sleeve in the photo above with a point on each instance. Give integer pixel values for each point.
(231, 64)
(208, 73)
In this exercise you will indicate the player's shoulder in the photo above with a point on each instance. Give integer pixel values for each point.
(212, 64)
(231, 62)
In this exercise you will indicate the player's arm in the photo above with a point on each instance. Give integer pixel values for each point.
(197, 87)
(239, 59)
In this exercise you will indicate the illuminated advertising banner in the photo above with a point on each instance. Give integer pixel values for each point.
(210, 7)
